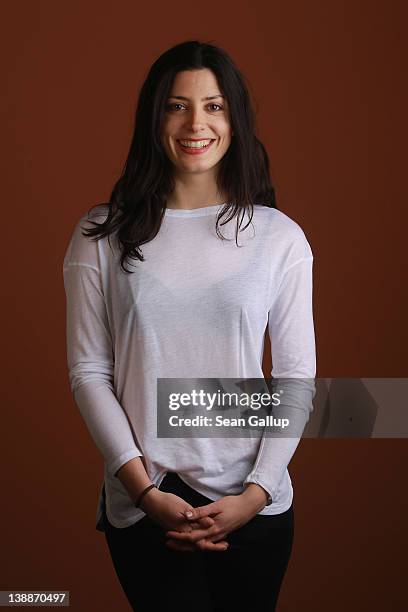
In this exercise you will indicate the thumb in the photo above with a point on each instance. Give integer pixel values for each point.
(201, 511)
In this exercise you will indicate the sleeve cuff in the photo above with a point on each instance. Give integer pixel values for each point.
(259, 481)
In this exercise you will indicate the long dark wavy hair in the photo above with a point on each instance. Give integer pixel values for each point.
(138, 201)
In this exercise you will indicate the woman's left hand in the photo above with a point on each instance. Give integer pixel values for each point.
(203, 524)
(229, 513)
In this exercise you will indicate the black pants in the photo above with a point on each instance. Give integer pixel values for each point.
(247, 576)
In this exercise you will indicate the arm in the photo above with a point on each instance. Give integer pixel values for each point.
(90, 358)
(90, 354)
(291, 330)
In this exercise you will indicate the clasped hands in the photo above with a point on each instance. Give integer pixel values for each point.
(206, 527)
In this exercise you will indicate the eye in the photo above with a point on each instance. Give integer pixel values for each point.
(172, 106)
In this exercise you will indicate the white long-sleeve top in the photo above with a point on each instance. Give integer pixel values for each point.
(198, 306)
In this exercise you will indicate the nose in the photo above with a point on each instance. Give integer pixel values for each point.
(195, 120)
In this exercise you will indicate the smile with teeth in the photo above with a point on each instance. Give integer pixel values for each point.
(195, 144)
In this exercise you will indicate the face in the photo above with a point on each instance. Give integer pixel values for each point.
(191, 116)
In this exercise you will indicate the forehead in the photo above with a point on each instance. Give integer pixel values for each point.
(189, 83)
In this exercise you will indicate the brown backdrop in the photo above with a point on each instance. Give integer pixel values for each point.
(327, 78)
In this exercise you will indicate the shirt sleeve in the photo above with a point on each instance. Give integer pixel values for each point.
(90, 353)
(291, 331)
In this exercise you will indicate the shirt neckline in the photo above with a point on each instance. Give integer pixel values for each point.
(193, 212)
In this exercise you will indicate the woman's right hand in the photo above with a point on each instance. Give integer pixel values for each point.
(168, 510)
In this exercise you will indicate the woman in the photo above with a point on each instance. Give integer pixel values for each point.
(197, 304)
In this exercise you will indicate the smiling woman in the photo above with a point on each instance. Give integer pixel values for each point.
(196, 134)
(193, 91)
(207, 520)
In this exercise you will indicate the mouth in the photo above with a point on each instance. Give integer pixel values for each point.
(195, 147)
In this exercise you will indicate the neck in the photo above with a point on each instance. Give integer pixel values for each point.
(196, 192)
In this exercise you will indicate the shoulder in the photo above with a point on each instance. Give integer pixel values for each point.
(81, 248)
(97, 213)
(283, 231)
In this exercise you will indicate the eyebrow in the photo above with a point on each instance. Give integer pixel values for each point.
(207, 98)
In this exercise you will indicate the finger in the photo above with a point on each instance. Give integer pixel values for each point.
(200, 524)
(195, 535)
(180, 546)
(202, 511)
(206, 521)
(194, 526)
(212, 546)
(204, 544)
(219, 539)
